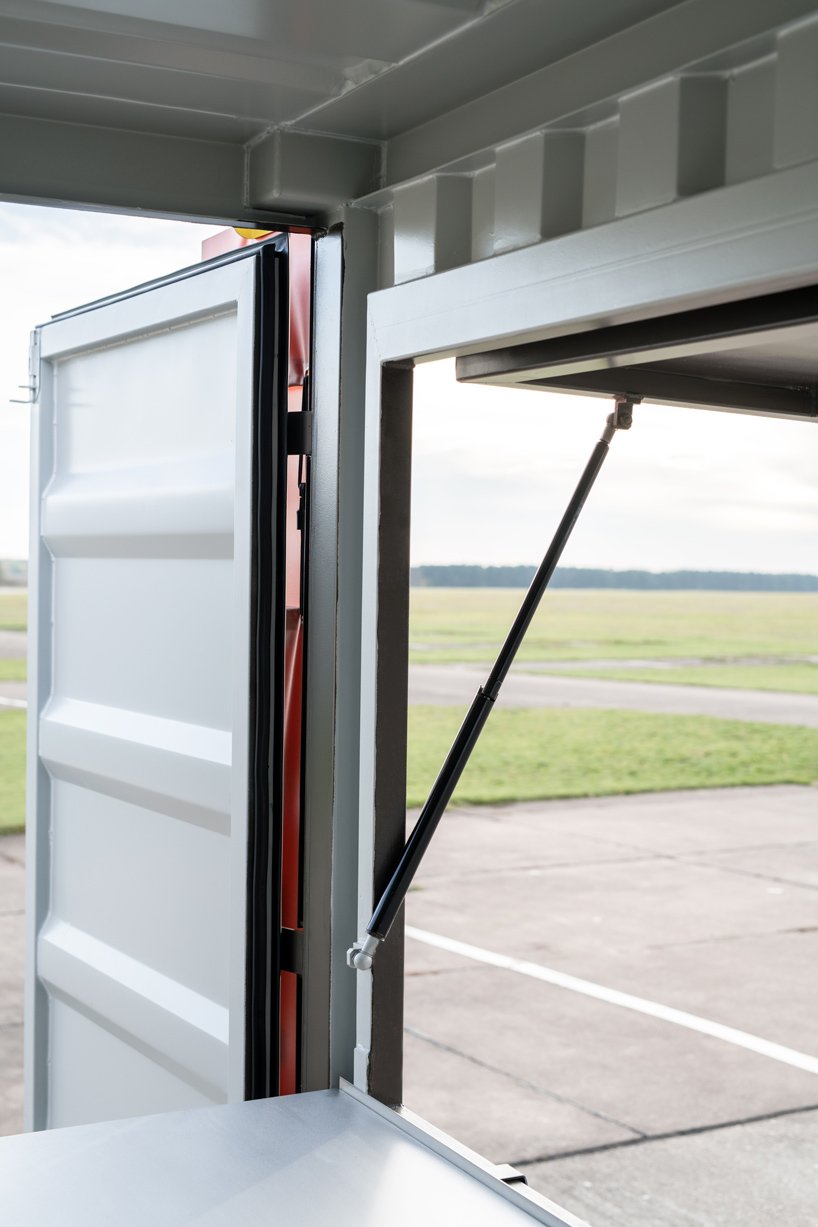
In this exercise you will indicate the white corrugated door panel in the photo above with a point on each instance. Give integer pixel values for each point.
(139, 724)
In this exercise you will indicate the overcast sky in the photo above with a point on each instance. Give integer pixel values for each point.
(684, 488)
(493, 469)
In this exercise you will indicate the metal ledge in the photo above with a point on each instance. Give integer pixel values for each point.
(757, 355)
(323, 1157)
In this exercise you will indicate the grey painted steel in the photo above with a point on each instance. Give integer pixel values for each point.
(360, 273)
(756, 355)
(138, 719)
(317, 1009)
(121, 170)
(676, 106)
(385, 1074)
(301, 172)
(509, 42)
(314, 1158)
(578, 89)
(747, 239)
(264, 118)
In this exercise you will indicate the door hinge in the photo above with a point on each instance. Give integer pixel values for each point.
(33, 385)
(299, 433)
(292, 950)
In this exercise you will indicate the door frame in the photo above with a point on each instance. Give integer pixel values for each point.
(747, 239)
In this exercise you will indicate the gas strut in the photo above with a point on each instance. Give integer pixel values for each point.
(361, 954)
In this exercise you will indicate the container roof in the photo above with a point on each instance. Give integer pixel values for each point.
(365, 68)
(87, 90)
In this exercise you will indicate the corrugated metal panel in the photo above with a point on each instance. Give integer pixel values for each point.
(693, 119)
(138, 784)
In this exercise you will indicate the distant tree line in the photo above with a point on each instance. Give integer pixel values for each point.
(457, 576)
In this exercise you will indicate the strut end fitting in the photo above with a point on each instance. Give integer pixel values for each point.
(622, 416)
(359, 956)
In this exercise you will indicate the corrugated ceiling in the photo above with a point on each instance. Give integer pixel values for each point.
(232, 71)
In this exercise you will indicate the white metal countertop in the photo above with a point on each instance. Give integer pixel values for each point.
(318, 1158)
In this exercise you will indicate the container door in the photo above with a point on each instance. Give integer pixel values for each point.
(156, 689)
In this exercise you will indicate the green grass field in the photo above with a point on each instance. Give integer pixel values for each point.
(13, 611)
(536, 754)
(12, 770)
(12, 670)
(527, 755)
(748, 640)
(468, 624)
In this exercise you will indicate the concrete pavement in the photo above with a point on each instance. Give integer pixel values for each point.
(457, 684)
(750, 1173)
(702, 901)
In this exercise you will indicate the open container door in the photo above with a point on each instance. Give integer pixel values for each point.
(154, 760)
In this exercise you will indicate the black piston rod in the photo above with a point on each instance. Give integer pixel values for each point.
(360, 955)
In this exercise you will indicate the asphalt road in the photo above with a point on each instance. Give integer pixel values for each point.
(453, 685)
(13, 645)
(13, 694)
(457, 684)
